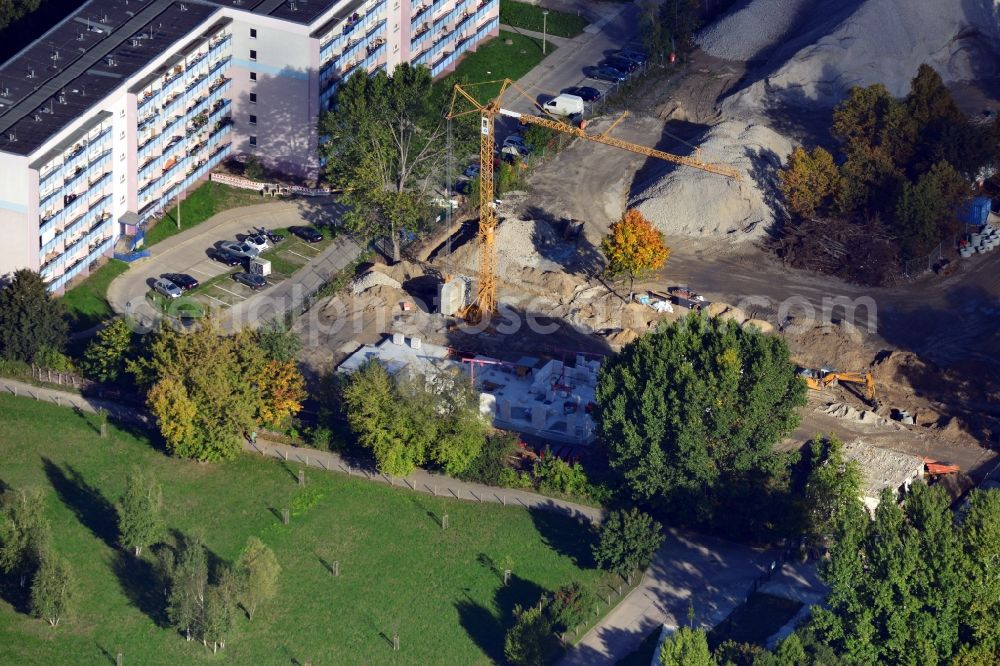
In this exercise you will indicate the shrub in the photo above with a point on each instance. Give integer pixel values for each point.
(556, 475)
(572, 605)
(490, 466)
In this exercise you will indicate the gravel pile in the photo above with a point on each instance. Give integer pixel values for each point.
(690, 202)
(817, 49)
(753, 29)
(521, 244)
(373, 279)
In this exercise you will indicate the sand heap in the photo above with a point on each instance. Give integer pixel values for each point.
(690, 202)
(814, 50)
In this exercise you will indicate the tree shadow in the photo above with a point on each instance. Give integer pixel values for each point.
(87, 503)
(572, 538)
(141, 583)
(765, 165)
(486, 627)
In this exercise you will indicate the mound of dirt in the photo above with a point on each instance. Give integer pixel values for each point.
(690, 202)
(817, 49)
(841, 346)
(371, 279)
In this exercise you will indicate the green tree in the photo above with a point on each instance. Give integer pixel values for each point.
(24, 532)
(104, 358)
(278, 342)
(258, 572)
(219, 611)
(809, 182)
(686, 647)
(31, 320)
(833, 486)
(253, 169)
(669, 27)
(791, 652)
(926, 213)
(530, 641)
(53, 589)
(571, 606)
(694, 403)
(188, 584)
(139, 519)
(628, 541)
(207, 390)
(981, 542)
(385, 147)
(877, 138)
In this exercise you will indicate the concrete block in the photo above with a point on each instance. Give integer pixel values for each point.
(451, 296)
(504, 409)
(538, 414)
(398, 339)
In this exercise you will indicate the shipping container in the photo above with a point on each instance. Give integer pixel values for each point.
(976, 212)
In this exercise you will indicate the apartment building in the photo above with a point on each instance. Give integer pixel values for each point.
(124, 105)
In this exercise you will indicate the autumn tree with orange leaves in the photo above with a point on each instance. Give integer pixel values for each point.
(633, 247)
(208, 390)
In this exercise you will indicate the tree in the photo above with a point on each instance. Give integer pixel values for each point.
(833, 486)
(188, 584)
(415, 420)
(981, 542)
(628, 540)
(24, 532)
(104, 358)
(571, 606)
(791, 652)
(633, 247)
(31, 320)
(206, 390)
(52, 590)
(253, 169)
(670, 26)
(926, 213)
(809, 182)
(686, 647)
(139, 520)
(693, 403)
(218, 614)
(530, 641)
(278, 342)
(258, 572)
(385, 148)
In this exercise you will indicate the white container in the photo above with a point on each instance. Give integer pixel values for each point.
(975, 238)
(965, 252)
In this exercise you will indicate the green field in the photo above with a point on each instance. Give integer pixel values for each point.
(199, 205)
(399, 569)
(497, 60)
(522, 15)
(87, 303)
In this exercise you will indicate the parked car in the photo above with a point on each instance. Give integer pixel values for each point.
(257, 241)
(251, 280)
(586, 93)
(308, 234)
(605, 74)
(226, 257)
(471, 171)
(182, 280)
(517, 141)
(633, 55)
(166, 288)
(621, 64)
(272, 236)
(241, 249)
(565, 105)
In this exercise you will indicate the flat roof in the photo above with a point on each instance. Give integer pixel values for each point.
(60, 76)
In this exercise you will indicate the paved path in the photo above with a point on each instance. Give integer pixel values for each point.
(186, 252)
(709, 574)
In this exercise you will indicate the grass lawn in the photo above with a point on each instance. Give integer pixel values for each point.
(87, 303)
(529, 17)
(754, 621)
(199, 205)
(399, 569)
(497, 60)
(183, 306)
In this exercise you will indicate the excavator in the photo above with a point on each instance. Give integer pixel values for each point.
(818, 380)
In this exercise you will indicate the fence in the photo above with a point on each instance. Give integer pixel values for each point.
(269, 188)
(129, 257)
(912, 267)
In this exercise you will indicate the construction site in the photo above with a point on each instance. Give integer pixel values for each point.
(514, 293)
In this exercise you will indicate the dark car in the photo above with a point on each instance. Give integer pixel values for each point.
(605, 74)
(182, 280)
(226, 257)
(586, 93)
(633, 55)
(621, 64)
(251, 280)
(308, 234)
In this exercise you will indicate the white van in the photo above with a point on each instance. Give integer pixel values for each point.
(564, 105)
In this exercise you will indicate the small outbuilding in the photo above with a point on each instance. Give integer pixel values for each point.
(883, 468)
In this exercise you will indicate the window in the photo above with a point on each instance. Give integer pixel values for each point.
(253, 33)
(121, 199)
(253, 98)
(253, 119)
(121, 114)
(253, 140)
(253, 76)
(253, 55)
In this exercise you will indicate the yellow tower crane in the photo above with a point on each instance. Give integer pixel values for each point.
(485, 303)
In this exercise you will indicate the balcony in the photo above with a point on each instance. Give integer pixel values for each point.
(218, 83)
